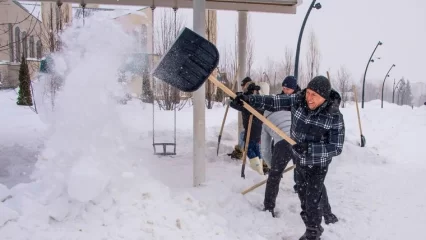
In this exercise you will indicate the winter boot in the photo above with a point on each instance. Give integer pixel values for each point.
(312, 233)
(330, 218)
(256, 165)
(265, 168)
(237, 153)
(270, 210)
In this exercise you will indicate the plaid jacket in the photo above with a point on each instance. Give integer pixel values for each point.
(323, 129)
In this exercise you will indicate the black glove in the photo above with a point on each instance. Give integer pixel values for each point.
(239, 98)
(301, 148)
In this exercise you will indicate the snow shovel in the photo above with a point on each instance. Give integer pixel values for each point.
(363, 141)
(223, 121)
(189, 63)
(248, 130)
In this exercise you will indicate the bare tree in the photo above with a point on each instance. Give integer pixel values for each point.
(288, 61)
(343, 84)
(313, 56)
(211, 34)
(167, 26)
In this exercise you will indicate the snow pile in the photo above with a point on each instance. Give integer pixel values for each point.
(89, 181)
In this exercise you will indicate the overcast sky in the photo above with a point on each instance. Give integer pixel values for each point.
(347, 32)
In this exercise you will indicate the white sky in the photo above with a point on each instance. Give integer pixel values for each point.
(347, 32)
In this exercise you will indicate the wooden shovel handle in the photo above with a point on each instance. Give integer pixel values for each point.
(249, 108)
(248, 130)
(226, 111)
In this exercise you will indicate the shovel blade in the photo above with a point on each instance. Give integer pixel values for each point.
(188, 63)
(363, 141)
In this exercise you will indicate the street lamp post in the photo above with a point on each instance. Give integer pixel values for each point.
(296, 65)
(383, 86)
(365, 73)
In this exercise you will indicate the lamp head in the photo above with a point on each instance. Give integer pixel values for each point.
(318, 6)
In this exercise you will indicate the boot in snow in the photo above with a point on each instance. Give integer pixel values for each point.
(312, 233)
(265, 168)
(237, 153)
(330, 218)
(256, 165)
(271, 211)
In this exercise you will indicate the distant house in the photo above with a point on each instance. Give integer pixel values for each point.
(20, 36)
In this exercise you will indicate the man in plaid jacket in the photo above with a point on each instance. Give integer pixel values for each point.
(319, 132)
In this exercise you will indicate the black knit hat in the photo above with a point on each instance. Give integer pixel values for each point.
(320, 85)
(290, 82)
(245, 80)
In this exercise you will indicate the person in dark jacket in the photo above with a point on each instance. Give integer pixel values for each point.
(319, 131)
(237, 153)
(275, 150)
(253, 150)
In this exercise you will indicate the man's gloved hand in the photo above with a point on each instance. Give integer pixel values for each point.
(239, 98)
(301, 148)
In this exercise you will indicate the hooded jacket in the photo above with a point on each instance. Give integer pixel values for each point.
(281, 119)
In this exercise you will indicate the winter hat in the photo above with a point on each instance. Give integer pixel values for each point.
(290, 82)
(320, 85)
(245, 80)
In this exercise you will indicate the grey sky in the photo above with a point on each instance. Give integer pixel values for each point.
(347, 32)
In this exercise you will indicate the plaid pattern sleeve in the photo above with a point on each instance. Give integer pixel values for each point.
(272, 103)
(334, 146)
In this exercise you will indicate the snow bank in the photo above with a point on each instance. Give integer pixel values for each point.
(89, 181)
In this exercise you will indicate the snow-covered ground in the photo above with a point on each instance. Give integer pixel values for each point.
(94, 175)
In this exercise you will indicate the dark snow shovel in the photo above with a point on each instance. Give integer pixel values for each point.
(189, 63)
(363, 141)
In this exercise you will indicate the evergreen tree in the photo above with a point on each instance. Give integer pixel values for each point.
(408, 95)
(24, 95)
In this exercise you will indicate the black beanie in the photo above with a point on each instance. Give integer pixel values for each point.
(320, 85)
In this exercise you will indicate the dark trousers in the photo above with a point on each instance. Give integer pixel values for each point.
(312, 194)
(281, 156)
(253, 149)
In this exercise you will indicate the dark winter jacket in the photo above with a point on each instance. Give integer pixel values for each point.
(323, 128)
(256, 125)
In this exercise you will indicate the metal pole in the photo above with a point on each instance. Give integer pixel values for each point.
(365, 73)
(199, 117)
(242, 56)
(299, 41)
(383, 86)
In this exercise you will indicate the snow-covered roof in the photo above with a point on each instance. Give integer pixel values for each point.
(103, 10)
(33, 8)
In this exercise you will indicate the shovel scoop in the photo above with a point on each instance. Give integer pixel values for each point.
(190, 61)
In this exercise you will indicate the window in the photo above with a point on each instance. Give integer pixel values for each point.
(38, 47)
(32, 47)
(25, 44)
(18, 44)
